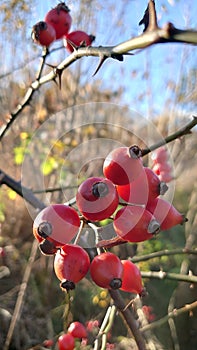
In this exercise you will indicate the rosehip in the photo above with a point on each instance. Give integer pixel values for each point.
(106, 270)
(60, 19)
(145, 188)
(66, 342)
(135, 224)
(131, 281)
(71, 264)
(57, 223)
(166, 214)
(160, 155)
(77, 330)
(123, 165)
(77, 38)
(43, 33)
(97, 198)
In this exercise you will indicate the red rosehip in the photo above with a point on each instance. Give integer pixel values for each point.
(106, 270)
(60, 19)
(131, 281)
(57, 223)
(145, 188)
(77, 38)
(71, 264)
(47, 343)
(135, 224)
(160, 155)
(66, 342)
(97, 198)
(77, 330)
(166, 214)
(43, 34)
(123, 165)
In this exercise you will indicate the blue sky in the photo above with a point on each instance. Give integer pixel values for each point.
(161, 63)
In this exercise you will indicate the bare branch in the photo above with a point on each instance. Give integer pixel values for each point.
(24, 192)
(169, 275)
(172, 314)
(166, 252)
(129, 318)
(181, 132)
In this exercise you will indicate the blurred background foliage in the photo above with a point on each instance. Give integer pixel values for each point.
(165, 97)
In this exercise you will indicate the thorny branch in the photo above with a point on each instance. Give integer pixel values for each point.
(153, 34)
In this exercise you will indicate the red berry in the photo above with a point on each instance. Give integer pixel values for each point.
(135, 224)
(47, 343)
(123, 165)
(77, 38)
(97, 198)
(77, 330)
(60, 19)
(145, 188)
(131, 281)
(166, 214)
(57, 223)
(71, 264)
(106, 270)
(43, 33)
(66, 342)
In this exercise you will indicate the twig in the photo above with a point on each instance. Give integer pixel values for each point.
(129, 318)
(21, 295)
(169, 275)
(160, 253)
(185, 130)
(172, 314)
(105, 327)
(28, 96)
(24, 192)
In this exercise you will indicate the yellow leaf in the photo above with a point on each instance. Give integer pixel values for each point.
(12, 194)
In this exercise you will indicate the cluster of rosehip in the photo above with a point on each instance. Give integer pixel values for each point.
(139, 217)
(129, 195)
(56, 25)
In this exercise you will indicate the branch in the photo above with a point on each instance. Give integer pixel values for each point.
(165, 252)
(172, 314)
(129, 318)
(181, 132)
(153, 35)
(24, 192)
(21, 295)
(169, 275)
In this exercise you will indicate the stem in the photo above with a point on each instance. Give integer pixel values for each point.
(181, 132)
(129, 318)
(24, 192)
(105, 327)
(21, 295)
(172, 314)
(168, 275)
(166, 252)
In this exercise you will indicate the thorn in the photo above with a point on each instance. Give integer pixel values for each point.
(145, 19)
(50, 65)
(117, 56)
(150, 18)
(75, 47)
(59, 74)
(102, 60)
